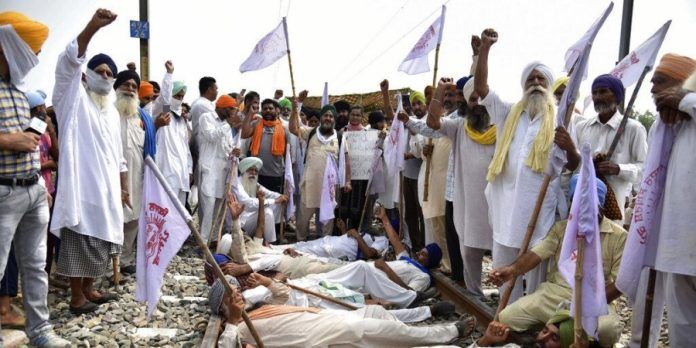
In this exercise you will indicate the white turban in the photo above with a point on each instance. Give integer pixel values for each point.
(468, 89)
(543, 69)
(249, 162)
(690, 83)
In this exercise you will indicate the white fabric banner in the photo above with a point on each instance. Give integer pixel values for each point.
(582, 223)
(268, 50)
(395, 146)
(161, 234)
(328, 191)
(289, 185)
(641, 244)
(574, 52)
(629, 69)
(325, 95)
(416, 61)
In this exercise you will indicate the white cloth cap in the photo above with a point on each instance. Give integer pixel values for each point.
(249, 162)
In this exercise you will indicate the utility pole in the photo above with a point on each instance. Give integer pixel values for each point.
(144, 45)
(626, 20)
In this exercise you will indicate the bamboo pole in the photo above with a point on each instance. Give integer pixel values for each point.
(287, 42)
(117, 271)
(428, 159)
(322, 296)
(579, 337)
(647, 314)
(402, 221)
(282, 211)
(201, 243)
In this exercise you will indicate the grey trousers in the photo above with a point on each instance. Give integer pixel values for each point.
(130, 236)
(24, 219)
(304, 214)
(680, 292)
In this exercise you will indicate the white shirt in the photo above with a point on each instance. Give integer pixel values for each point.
(629, 154)
(410, 274)
(215, 143)
(337, 247)
(512, 196)
(199, 107)
(173, 152)
(133, 142)
(89, 201)
(677, 241)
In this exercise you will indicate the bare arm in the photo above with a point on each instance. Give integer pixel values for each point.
(488, 38)
(436, 108)
(522, 265)
(393, 237)
(386, 103)
(294, 122)
(365, 249)
(612, 292)
(247, 128)
(125, 193)
(100, 19)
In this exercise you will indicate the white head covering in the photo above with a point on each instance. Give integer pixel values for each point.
(468, 89)
(690, 83)
(19, 56)
(542, 68)
(249, 162)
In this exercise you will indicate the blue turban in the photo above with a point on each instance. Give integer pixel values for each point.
(612, 83)
(178, 87)
(100, 59)
(601, 189)
(461, 82)
(36, 98)
(328, 108)
(434, 255)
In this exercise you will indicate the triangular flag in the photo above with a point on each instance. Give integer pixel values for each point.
(583, 224)
(325, 95)
(575, 52)
(161, 234)
(629, 69)
(268, 50)
(416, 61)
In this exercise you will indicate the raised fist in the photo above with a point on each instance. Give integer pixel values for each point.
(169, 66)
(384, 85)
(102, 17)
(489, 37)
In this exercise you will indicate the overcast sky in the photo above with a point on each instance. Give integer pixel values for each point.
(354, 44)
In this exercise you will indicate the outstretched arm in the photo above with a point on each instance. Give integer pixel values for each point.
(488, 38)
(294, 122)
(100, 19)
(394, 239)
(386, 103)
(368, 253)
(436, 108)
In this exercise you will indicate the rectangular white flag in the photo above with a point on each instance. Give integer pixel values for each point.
(583, 224)
(416, 61)
(289, 185)
(641, 243)
(268, 50)
(574, 52)
(328, 191)
(162, 232)
(629, 69)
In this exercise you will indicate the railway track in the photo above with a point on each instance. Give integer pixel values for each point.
(464, 302)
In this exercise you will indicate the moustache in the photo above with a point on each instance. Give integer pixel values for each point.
(533, 89)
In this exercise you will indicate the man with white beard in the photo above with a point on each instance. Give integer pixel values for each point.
(524, 136)
(88, 213)
(245, 192)
(138, 140)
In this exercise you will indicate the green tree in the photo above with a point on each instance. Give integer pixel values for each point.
(646, 118)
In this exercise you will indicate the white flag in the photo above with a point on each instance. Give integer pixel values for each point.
(289, 185)
(583, 224)
(629, 69)
(325, 95)
(417, 60)
(395, 146)
(328, 191)
(575, 51)
(643, 235)
(161, 234)
(268, 50)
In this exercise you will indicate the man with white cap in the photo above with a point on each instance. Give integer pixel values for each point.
(246, 191)
(23, 207)
(524, 136)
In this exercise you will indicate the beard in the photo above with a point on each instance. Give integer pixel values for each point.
(327, 127)
(478, 118)
(102, 101)
(250, 184)
(605, 108)
(536, 103)
(126, 104)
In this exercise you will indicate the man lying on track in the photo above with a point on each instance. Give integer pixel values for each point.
(558, 333)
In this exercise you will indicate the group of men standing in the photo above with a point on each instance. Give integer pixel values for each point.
(473, 169)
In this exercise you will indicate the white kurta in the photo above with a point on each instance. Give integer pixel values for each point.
(133, 142)
(89, 201)
(629, 154)
(337, 247)
(677, 242)
(214, 144)
(471, 162)
(199, 107)
(512, 196)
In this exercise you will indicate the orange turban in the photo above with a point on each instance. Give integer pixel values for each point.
(32, 32)
(676, 66)
(225, 101)
(146, 89)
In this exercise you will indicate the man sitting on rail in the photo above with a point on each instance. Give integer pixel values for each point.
(558, 333)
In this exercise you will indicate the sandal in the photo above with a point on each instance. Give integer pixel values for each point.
(105, 297)
(87, 307)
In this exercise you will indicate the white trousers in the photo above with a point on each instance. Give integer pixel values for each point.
(638, 310)
(249, 220)
(371, 326)
(360, 275)
(207, 208)
(680, 295)
(503, 256)
(473, 263)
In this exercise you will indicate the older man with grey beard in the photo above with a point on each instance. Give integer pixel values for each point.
(524, 137)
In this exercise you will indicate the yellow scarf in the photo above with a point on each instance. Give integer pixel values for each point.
(485, 138)
(539, 152)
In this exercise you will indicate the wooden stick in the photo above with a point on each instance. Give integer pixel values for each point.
(627, 113)
(117, 271)
(428, 160)
(292, 76)
(223, 206)
(647, 315)
(282, 211)
(201, 243)
(322, 296)
(579, 337)
(222, 223)
(367, 199)
(402, 221)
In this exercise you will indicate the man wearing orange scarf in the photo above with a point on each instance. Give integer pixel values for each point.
(269, 139)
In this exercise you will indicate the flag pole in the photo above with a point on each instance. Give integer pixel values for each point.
(201, 243)
(428, 159)
(287, 43)
(402, 221)
(647, 314)
(627, 113)
(579, 337)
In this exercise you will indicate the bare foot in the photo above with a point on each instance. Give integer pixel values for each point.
(11, 318)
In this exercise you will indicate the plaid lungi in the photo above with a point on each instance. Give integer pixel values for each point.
(84, 256)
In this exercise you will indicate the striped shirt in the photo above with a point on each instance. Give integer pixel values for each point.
(14, 117)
